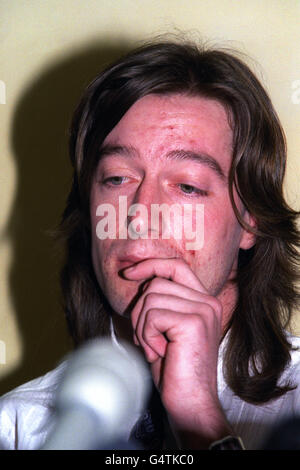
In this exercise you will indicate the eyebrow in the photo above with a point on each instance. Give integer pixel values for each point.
(180, 154)
(200, 158)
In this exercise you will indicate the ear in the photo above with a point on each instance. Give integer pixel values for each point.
(248, 238)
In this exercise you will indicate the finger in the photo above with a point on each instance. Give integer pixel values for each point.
(166, 286)
(161, 286)
(174, 303)
(171, 268)
(153, 339)
(162, 293)
(164, 327)
(154, 333)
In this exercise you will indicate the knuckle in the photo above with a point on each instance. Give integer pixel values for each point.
(150, 298)
(213, 305)
(216, 305)
(151, 313)
(207, 309)
(155, 282)
(194, 320)
(151, 319)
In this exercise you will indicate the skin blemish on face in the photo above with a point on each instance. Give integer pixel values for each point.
(192, 253)
(192, 142)
(190, 257)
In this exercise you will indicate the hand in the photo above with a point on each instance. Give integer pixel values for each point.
(178, 325)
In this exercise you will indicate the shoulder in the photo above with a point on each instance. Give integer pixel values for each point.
(26, 411)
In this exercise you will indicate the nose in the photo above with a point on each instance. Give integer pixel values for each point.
(140, 223)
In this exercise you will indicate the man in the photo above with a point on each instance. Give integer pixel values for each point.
(172, 124)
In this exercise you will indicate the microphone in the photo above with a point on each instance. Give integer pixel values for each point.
(103, 390)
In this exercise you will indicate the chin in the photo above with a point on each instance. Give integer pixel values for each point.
(123, 297)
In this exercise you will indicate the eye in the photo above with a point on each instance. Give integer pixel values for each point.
(189, 189)
(114, 180)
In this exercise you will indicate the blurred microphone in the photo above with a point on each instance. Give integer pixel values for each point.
(102, 391)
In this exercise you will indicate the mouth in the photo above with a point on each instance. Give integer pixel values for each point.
(130, 261)
(125, 260)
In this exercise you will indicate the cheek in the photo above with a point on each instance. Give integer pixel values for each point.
(220, 225)
(100, 264)
(222, 234)
(100, 248)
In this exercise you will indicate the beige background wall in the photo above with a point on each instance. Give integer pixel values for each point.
(48, 51)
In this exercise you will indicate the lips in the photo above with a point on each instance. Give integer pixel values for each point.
(126, 261)
(128, 258)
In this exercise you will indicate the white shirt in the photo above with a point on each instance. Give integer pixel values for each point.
(26, 413)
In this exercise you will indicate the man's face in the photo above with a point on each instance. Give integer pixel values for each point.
(172, 149)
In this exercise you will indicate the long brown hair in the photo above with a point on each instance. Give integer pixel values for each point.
(257, 348)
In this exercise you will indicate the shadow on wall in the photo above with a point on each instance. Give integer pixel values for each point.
(39, 139)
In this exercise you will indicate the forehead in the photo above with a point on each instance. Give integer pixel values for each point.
(159, 123)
